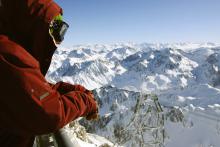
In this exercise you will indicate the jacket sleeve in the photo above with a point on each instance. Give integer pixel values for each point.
(33, 105)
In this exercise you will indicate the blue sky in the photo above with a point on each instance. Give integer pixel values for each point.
(165, 21)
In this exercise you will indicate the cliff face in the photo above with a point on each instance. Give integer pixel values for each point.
(128, 118)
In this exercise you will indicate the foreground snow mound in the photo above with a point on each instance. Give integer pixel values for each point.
(81, 138)
(72, 135)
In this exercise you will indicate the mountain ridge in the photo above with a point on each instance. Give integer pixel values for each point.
(184, 76)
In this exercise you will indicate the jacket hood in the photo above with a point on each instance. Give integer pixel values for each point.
(26, 22)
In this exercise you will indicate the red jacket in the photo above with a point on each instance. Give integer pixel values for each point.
(29, 105)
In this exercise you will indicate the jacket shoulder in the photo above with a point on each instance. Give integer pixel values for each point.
(15, 54)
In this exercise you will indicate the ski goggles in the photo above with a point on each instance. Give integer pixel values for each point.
(58, 29)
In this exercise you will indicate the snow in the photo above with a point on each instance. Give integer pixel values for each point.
(95, 141)
(183, 75)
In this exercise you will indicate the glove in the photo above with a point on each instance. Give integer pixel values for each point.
(93, 116)
(94, 113)
(64, 88)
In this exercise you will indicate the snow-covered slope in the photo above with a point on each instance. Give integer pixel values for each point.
(138, 67)
(185, 76)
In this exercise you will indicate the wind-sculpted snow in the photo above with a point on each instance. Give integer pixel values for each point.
(184, 76)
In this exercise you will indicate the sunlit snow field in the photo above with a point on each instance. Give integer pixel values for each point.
(184, 76)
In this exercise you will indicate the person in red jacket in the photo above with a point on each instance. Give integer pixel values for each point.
(29, 105)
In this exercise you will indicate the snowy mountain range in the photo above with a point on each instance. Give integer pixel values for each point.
(184, 76)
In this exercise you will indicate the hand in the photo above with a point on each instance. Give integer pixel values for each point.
(94, 114)
(64, 88)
